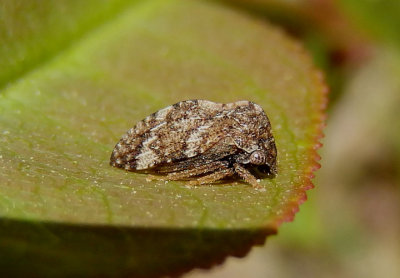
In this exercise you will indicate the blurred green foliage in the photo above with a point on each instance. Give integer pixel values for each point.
(379, 18)
(32, 32)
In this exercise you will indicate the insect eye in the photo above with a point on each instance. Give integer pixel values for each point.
(257, 158)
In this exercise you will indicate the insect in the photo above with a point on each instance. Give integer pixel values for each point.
(201, 141)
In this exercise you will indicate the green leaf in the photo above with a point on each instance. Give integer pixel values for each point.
(61, 204)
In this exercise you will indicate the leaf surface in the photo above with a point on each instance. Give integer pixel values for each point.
(59, 197)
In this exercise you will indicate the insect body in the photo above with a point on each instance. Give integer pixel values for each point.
(201, 141)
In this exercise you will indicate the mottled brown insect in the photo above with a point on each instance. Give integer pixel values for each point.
(201, 141)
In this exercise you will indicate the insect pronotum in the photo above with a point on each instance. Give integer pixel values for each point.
(201, 141)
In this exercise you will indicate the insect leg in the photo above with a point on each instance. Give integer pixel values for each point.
(215, 176)
(203, 169)
(247, 176)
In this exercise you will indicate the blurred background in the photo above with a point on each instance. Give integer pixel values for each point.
(350, 226)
